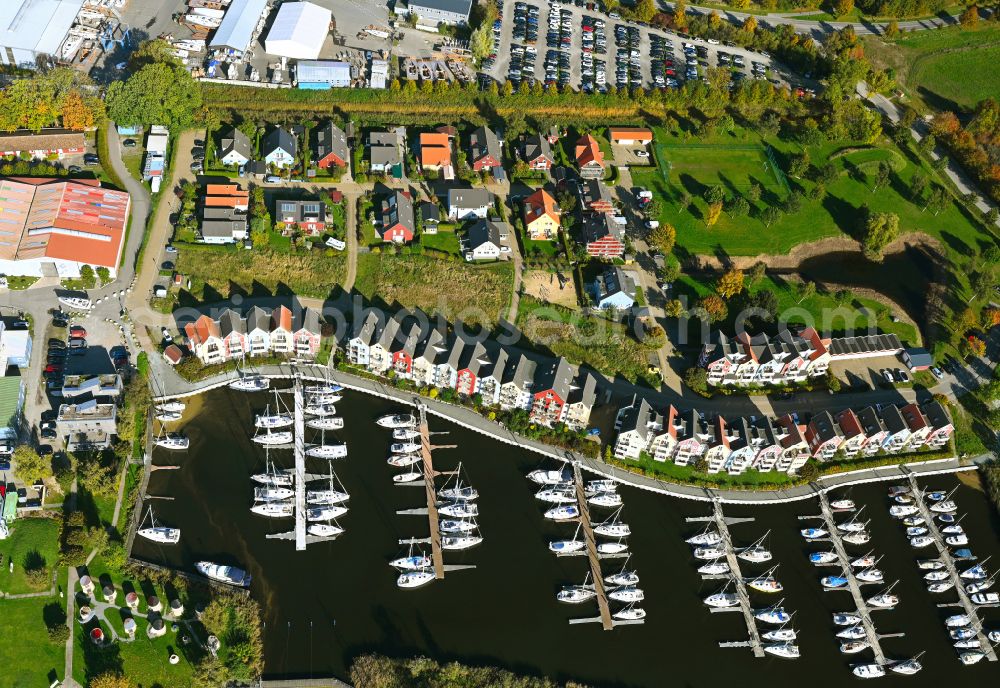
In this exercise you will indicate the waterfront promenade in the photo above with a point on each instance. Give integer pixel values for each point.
(172, 385)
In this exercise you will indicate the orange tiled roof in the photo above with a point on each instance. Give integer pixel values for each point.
(587, 151)
(540, 203)
(435, 150)
(631, 133)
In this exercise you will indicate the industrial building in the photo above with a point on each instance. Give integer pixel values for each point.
(323, 74)
(241, 24)
(32, 29)
(299, 31)
(441, 11)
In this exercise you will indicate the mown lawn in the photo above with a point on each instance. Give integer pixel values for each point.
(217, 272)
(33, 543)
(603, 345)
(445, 240)
(29, 659)
(668, 470)
(477, 294)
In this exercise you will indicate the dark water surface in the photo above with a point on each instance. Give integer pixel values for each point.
(338, 599)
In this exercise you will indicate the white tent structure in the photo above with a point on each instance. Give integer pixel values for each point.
(298, 31)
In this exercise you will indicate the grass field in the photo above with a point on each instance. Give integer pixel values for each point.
(445, 240)
(29, 659)
(471, 293)
(943, 69)
(668, 470)
(694, 165)
(33, 543)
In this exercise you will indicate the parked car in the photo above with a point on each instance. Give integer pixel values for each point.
(56, 344)
(74, 169)
(887, 374)
(78, 331)
(129, 143)
(641, 154)
(76, 343)
(901, 375)
(167, 265)
(53, 368)
(166, 335)
(4, 465)
(91, 159)
(19, 324)
(170, 249)
(936, 372)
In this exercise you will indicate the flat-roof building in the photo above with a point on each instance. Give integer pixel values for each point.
(299, 31)
(239, 25)
(442, 11)
(30, 29)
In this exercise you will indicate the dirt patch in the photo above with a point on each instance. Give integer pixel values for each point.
(544, 286)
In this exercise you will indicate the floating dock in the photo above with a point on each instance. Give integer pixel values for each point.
(300, 467)
(734, 568)
(595, 561)
(945, 555)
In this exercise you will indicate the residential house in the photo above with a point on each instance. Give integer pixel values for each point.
(471, 363)
(383, 343)
(630, 136)
(484, 150)
(693, 438)
(235, 148)
(431, 358)
(589, 158)
(258, 331)
(518, 379)
(397, 218)
(717, 455)
(876, 433)
(430, 217)
(552, 384)
(405, 348)
(869, 346)
(940, 424)
(308, 217)
(537, 153)
(824, 436)
(386, 150)
(87, 426)
(362, 337)
(307, 334)
(582, 397)
(222, 226)
(602, 237)
(435, 154)
(487, 240)
(638, 425)
(43, 145)
(614, 288)
(330, 147)
(897, 429)
(917, 359)
(541, 216)
(226, 196)
(852, 431)
(768, 446)
(743, 446)
(232, 329)
(595, 196)
(204, 339)
(469, 204)
(280, 148)
(918, 426)
(491, 375)
(786, 358)
(281, 330)
(794, 447)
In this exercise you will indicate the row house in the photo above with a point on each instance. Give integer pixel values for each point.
(638, 425)
(602, 237)
(552, 385)
(330, 146)
(595, 196)
(260, 332)
(307, 216)
(794, 446)
(434, 151)
(396, 219)
(824, 436)
(763, 360)
(515, 390)
(719, 450)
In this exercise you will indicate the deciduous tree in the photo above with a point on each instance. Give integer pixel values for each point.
(664, 237)
(30, 466)
(970, 17)
(880, 230)
(712, 213)
(730, 284)
(715, 307)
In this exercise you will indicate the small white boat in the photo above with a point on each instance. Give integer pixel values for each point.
(630, 614)
(941, 586)
(914, 531)
(274, 509)
(851, 527)
(202, 21)
(397, 420)
(714, 568)
(833, 582)
(326, 497)
(324, 530)
(222, 573)
(575, 594)
(902, 510)
(860, 538)
(944, 507)
(622, 578)
(757, 554)
(842, 504)
(176, 406)
(326, 398)
(273, 421)
(403, 434)
(460, 542)
(709, 537)
(611, 547)
(414, 579)
(930, 564)
(272, 494)
(766, 584)
(783, 650)
(272, 478)
(76, 303)
(615, 530)
(323, 388)
(914, 521)
(451, 526)
(556, 496)
(921, 541)
(779, 635)
(954, 529)
(563, 513)
(946, 518)
(957, 540)
(325, 423)
(976, 572)
(971, 657)
(846, 619)
(962, 633)
(722, 600)
(979, 586)
(405, 447)
(863, 562)
(602, 486)
(325, 512)
(404, 459)
(853, 647)
(994, 636)
(938, 575)
(903, 499)
(408, 477)
(272, 439)
(969, 644)
(709, 553)
(173, 441)
(320, 410)
(957, 621)
(459, 510)
(543, 477)
(884, 601)
(605, 499)
(157, 533)
(823, 557)
(852, 633)
(566, 546)
(327, 451)
(190, 44)
(250, 383)
(870, 576)
(168, 416)
(465, 493)
(627, 593)
(986, 598)
(776, 616)
(411, 562)
(868, 671)
(813, 533)
(936, 496)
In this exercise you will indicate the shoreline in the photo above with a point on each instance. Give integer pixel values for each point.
(471, 420)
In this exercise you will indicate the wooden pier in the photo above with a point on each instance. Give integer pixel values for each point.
(737, 576)
(945, 555)
(595, 562)
(871, 635)
(300, 467)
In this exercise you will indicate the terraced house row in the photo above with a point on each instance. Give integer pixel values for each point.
(785, 444)
(258, 332)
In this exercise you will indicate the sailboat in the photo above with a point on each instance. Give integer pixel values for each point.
(173, 440)
(783, 650)
(414, 579)
(397, 420)
(766, 583)
(944, 507)
(452, 526)
(611, 547)
(403, 434)
(755, 555)
(271, 476)
(844, 619)
(274, 509)
(868, 670)
(272, 494)
(605, 499)
(334, 494)
(401, 460)
(272, 421)
(275, 439)
(979, 586)
(405, 447)
(325, 423)
(885, 599)
(819, 558)
(630, 613)
(627, 593)
(323, 388)
(722, 600)
(775, 615)
(567, 546)
(907, 667)
(902, 510)
(853, 647)
(623, 577)
(709, 553)
(325, 512)
(460, 542)
(411, 561)
(459, 509)
(563, 513)
(160, 534)
(326, 530)
(327, 451)
(175, 406)
(559, 495)
(813, 533)
(544, 477)
(604, 485)
(320, 410)
(852, 633)
(575, 594)
(324, 398)
(613, 527)
(458, 491)
(842, 505)
(251, 382)
(714, 568)
(706, 537)
(407, 477)
(872, 575)
(165, 416)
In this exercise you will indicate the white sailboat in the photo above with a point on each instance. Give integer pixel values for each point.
(320, 410)
(407, 477)
(452, 526)
(842, 505)
(705, 538)
(327, 451)
(174, 406)
(414, 579)
(563, 513)
(159, 533)
(250, 383)
(272, 494)
(323, 388)
(274, 509)
(165, 416)
(779, 634)
(566, 546)
(272, 477)
(325, 423)
(460, 542)
(272, 421)
(459, 509)
(722, 600)
(772, 615)
(275, 439)
(405, 447)
(611, 547)
(403, 434)
(902, 510)
(76, 303)
(714, 568)
(324, 398)
(556, 495)
(411, 562)
(605, 499)
(397, 420)
(630, 613)
(627, 593)
(543, 477)
(946, 506)
(325, 530)
(709, 553)
(868, 671)
(783, 650)
(325, 512)
(613, 527)
(756, 554)
(575, 594)
(845, 619)
(401, 460)
(173, 440)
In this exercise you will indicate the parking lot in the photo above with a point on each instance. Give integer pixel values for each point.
(563, 42)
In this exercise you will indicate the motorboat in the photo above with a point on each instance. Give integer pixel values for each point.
(979, 586)
(714, 568)
(852, 633)
(779, 634)
(630, 614)
(970, 644)
(173, 440)
(842, 504)
(851, 527)
(403, 434)
(846, 619)
(941, 586)
(938, 575)
(326, 497)
(767, 584)
(167, 416)
(273, 421)
(566, 512)
(556, 495)
(868, 670)
(459, 542)
(323, 530)
(921, 541)
(953, 529)
(902, 510)
(272, 439)
(709, 553)
(404, 459)
(274, 509)
(962, 633)
(957, 621)
(230, 575)
(323, 388)
(833, 582)
(575, 594)
(76, 303)
(853, 647)
(971, 657)
(320, 410)
(459, 492)
(884, 601)
(903, 499)
(397, 420)
(823, 557)
(914, 531)
(408, 477)
(776, 616)
(957, 540)
(459, 509)
(813, 533)
(450, 526)
(325, 512)
(936, 496)
(859, 538)
(327, 451)
(870, 576)
(976, 572)
(405, 447)
(863, 562)
(783, 650)
(543, 477)
(944, 507)
(946, 518)
(722, 600)
(325, 423)
(250, 383)
(611, 547)
(566, 546)
(411, 562)
(708, 537)
(325, 398)
(602, 486)
(986, 598)
(627, 593)
(914, 521)
(605, 499)
(994, 636)
(930, 564)
(414, 579)
(272, 494)
(623, 578)
(158, 533)
(757, 554)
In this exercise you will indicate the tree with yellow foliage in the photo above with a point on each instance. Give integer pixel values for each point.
(713, 212)
(730, 284)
